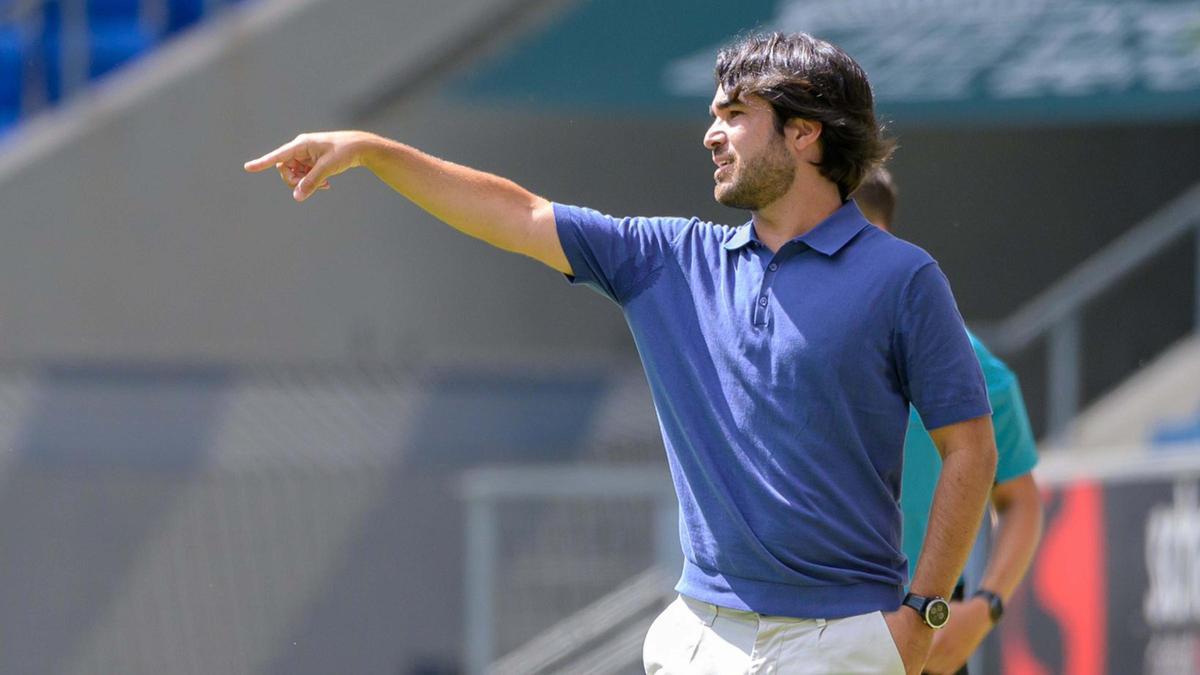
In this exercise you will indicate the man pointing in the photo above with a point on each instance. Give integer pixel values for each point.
(782, 357)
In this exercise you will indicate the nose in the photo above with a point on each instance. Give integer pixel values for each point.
(715, 136)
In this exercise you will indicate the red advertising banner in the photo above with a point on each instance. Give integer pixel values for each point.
(1115, 586)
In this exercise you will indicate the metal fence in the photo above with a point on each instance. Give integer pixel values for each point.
(1057, 313)
(546, 542)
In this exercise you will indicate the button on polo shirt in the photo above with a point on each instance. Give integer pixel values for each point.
(782, 383)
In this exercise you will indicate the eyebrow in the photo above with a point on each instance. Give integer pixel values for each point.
(723, 104)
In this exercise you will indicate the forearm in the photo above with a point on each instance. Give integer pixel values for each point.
(1018, 530)
(484, 206)
(1020, 516)
(968, 467)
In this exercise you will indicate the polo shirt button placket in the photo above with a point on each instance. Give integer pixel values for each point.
(760, 310)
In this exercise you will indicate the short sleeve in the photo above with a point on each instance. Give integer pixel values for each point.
(1015, 445)
(939, 371)
(618, 257)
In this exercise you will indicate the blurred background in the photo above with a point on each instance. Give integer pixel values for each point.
(241, 435)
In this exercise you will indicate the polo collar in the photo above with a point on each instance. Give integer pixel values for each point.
(742, 236)
(832, 234)
(828, 237)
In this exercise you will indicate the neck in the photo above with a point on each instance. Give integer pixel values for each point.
(795, 213)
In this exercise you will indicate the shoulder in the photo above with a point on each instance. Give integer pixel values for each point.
(898, 260)
(660, 227)
(892, 248)
(699, 234)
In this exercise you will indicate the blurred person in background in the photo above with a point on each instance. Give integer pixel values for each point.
(1015, 497)
(782, 356)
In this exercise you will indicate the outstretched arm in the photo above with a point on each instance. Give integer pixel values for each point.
(477, 203)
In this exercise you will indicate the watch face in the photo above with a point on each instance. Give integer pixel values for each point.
(937, 613)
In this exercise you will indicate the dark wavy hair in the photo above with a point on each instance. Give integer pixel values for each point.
(803, 76)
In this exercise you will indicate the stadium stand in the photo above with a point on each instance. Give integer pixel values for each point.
(1158, 404)
(1186, 432)
(49, 48)
(118, 483)
(268, 505)
(13, 47)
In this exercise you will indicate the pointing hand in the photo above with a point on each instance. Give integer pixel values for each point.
(308, 162)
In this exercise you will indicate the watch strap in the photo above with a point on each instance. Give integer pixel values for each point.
(921, 603)
(995, 603)
(917, 602)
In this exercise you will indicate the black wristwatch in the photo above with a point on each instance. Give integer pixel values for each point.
(935, 611)
(995, 604)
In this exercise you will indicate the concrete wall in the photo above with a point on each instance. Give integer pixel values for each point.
(130, 231)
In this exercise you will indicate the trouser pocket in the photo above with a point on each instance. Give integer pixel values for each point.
(671, 642)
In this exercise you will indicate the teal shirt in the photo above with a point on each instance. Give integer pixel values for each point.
(1016, 451)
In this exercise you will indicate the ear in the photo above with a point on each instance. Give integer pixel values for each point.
(802, 134)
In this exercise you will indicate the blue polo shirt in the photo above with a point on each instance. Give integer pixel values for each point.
(782, 383)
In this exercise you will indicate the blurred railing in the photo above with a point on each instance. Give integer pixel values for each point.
(1057, 312)
(50, 50)
(611, 501)
(601, 639)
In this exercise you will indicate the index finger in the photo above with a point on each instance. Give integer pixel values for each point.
(280, 154)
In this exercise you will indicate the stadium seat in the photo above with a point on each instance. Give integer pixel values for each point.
(110, 44)
(183, 13)
(1177, 432)
(13, 50)
(8, 120)
(104, 11)
(114, 43)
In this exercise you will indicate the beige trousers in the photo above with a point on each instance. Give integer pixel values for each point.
(696, 638)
